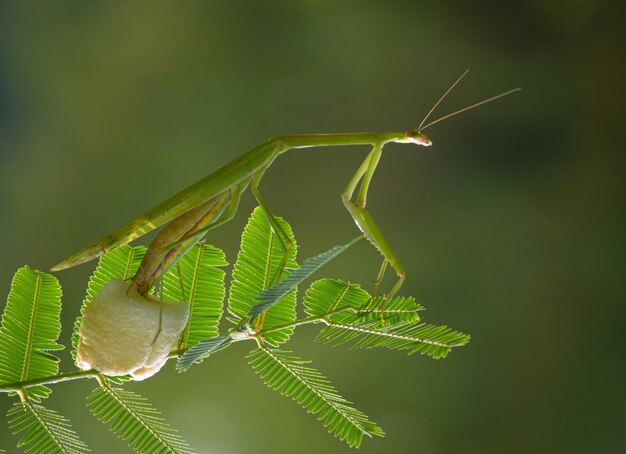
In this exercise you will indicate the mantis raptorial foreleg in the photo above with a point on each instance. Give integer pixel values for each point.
(174, 239)
(182, 233)
(187, 230)
(364, 220)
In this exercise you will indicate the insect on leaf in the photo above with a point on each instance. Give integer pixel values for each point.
(30, 327)
(291, 376)
(257, 263)
(44, 430)
(196, 280)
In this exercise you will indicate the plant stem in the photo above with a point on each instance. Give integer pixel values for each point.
(310, 319)
(69, 376)
(302, 321)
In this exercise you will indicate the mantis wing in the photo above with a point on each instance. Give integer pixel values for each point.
(205, 190)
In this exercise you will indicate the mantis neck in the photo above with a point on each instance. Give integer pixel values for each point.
(321, 140)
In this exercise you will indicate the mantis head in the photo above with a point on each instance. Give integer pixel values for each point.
(416, 137)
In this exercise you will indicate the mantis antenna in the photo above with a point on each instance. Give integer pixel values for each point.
(464, 109)
(419, 128)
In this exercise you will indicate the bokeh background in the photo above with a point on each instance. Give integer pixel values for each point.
(511, 227)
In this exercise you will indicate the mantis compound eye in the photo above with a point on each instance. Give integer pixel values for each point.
(119, 333)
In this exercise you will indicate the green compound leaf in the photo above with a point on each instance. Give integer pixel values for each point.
(44, 431)
(351, 315)
(398, 311)
(350, 304)
(257, 263)
(328, 295)
(196, 280)
(288, 374)
(268, 297)
(30, 327)
(134, 420)
(121, 263)
(431, 340)
(201, 350)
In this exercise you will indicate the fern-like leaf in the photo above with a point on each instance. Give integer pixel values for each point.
(134, 420)
(376, 323)
(44, 430)
(268, 297)
(30, 327)
(288, 374)
(121, 263)
(257, 263)
(196, 280)
(431, 340)
(331, 296)
(201, 350)
(398, 311)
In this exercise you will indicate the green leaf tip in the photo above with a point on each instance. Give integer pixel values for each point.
(44, 431)
(290, 375)
(29, 330)
(431, 340)
(134, 420)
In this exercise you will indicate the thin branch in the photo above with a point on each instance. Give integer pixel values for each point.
(17, 386)
(311, 319)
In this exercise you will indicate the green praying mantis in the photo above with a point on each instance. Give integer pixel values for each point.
(214, 200)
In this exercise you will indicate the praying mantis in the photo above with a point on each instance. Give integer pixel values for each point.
(214, 200)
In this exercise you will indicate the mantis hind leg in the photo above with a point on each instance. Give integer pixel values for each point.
(364, 220)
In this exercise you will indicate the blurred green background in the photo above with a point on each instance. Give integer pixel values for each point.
(511, 227)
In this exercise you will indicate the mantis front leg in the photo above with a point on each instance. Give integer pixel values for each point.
(364, 220)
